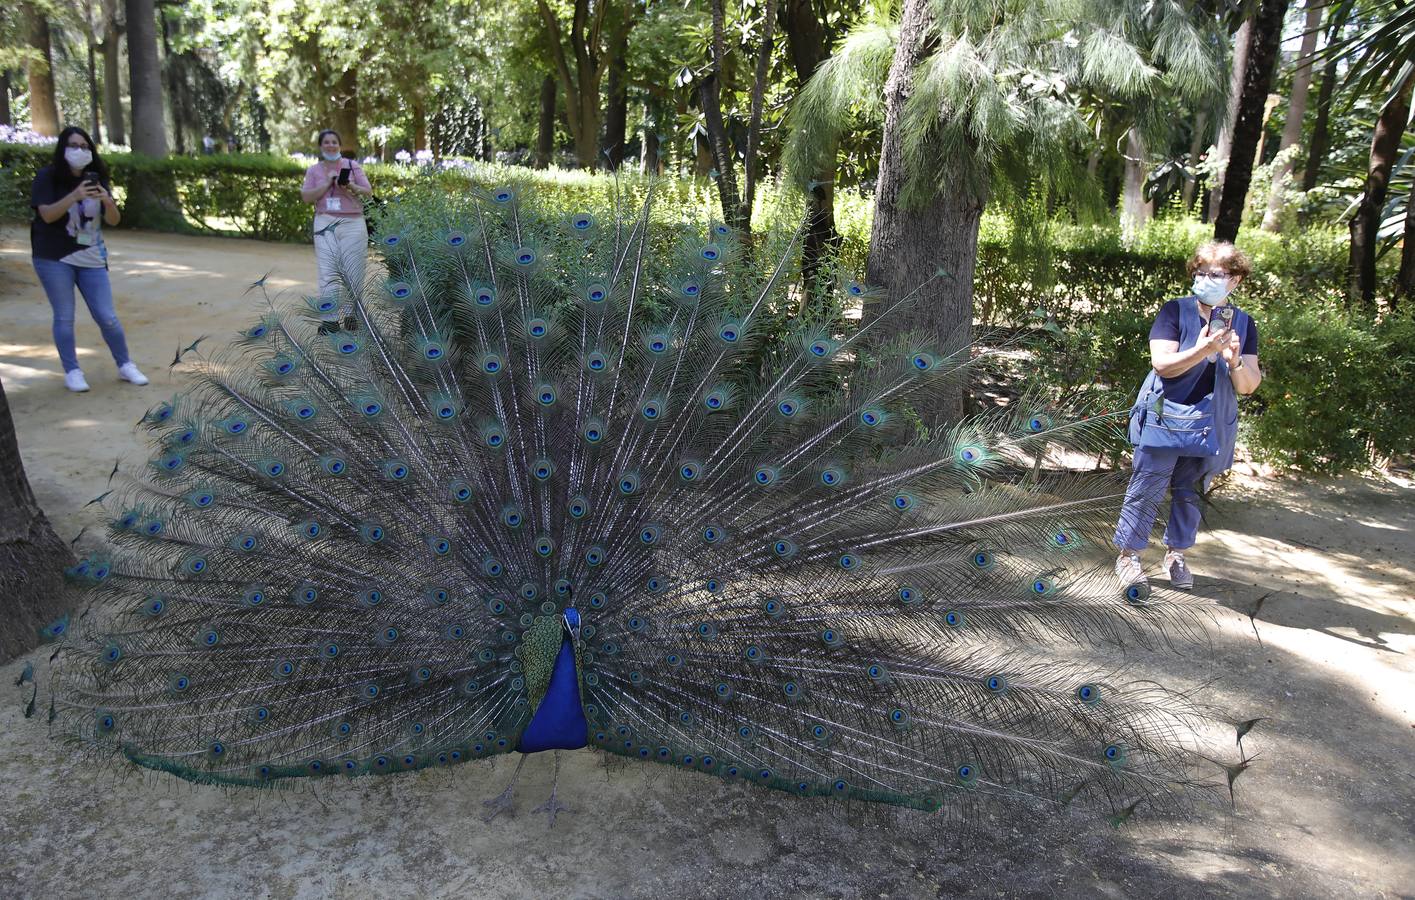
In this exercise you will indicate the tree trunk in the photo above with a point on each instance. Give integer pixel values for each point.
(1321, 128)
(32, 557)
(344, 111)
(709, 95)
(96, 126)
(1196, 146)
(1405, 281)
(1252, 109)
(911, 244)
(809, 43)
(112, 80)
(1134, 208)
(43, 109)
(616, 113)
(1223, 152)
(6, 117)
(145, 80)
(1296, 109)
(1385, 147)
(419, 125)
(174, 87)
(545, 135)
(754, 125)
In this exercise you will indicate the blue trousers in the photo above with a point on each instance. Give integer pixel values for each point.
(1157, 472)
(59, 280)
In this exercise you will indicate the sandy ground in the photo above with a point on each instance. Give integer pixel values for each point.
(1326, 566)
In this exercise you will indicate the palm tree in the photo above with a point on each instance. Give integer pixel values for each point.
(1383, 60)
(980, 103)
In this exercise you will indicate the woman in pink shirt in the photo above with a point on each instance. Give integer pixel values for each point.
(335, 185)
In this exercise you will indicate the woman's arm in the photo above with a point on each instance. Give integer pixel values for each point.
(358, 181)
(1243, 368)
(313, 187)
(111, 216)
(1170, 362)
(53, 212)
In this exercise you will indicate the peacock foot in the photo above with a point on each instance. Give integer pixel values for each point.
(501, 803)
(552, 807)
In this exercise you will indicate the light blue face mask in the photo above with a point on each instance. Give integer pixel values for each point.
(1210, 290)
(330, 157)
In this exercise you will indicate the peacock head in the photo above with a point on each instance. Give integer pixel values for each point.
(572, 623)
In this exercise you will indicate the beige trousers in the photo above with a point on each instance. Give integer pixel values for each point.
(341, 254)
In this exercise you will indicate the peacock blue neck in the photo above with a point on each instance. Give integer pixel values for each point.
(559, 720)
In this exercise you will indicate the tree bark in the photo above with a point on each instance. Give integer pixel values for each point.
(5, 114)
(710, 96)
(809, 43)
(1405, 281)
(1196, 146)
(419, 125)
(545, 133)
(616, 113)
(651, 160)
(32, 557)
(344, 110)
(1134, 208)
(145, 80)
(581, 87)
(96, 126)
(174, 86)
(911, 244)
(112, 79)
(754, 125)
(43, 109)
(1385, 147)
(1296, 110)
(1223, 152)
(1263, 48)
(1321, 128)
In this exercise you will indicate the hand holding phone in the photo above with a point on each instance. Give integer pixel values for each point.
(344, 175)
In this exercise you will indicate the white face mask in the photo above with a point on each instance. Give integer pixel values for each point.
(77, 157)
(330, 157)
(1211, 290)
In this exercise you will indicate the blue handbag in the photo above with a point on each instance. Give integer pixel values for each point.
(1160, 424)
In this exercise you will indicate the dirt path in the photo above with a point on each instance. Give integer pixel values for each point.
(1327, 566)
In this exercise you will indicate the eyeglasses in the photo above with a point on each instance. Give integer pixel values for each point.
(1212, 273)
(80, 144)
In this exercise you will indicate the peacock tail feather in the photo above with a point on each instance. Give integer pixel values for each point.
(354, 553)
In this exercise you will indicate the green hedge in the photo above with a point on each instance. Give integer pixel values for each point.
(1335, 394)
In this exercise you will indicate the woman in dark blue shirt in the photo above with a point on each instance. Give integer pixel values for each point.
(1193, 356)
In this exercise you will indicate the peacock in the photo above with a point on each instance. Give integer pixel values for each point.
(592, 481)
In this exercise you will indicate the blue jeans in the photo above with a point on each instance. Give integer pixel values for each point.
(59, 280)
(1155, 473)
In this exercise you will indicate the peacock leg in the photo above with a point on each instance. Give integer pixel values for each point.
(502, 802)
(553, 806)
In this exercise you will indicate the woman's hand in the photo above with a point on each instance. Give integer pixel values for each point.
(1216, 341)
(1230, 351)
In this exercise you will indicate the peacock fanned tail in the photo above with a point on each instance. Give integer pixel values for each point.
(362, 552)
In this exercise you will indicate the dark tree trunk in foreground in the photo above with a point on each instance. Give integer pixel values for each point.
(43, 110)
(1385, 148)
(710, 96)
(95, 127)
(1252, 108)
(145, 80)
(912, 242)
(545, 134)
(32, 557)
(1296, 109)
(809, 43)
(754, 125)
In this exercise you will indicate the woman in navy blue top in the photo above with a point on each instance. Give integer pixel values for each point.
(1193, 355)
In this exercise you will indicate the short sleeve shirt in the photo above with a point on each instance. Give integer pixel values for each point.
(337, 201)
(1166, 328)
(77, 237)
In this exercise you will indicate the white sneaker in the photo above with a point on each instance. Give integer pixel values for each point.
(1129, 571)
(1180, 578)
(74, 381)
(130, 372)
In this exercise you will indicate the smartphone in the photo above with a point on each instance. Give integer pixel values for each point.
(1221, 319)
(90, 177)
(344, 174)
